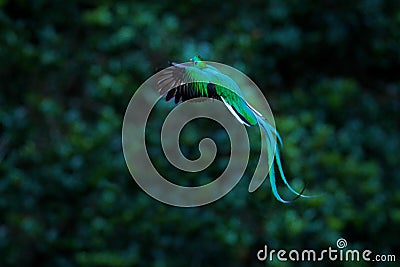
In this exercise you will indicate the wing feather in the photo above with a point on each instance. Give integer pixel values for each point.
(176, 82)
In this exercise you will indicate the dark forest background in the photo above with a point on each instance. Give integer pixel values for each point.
(329, 69)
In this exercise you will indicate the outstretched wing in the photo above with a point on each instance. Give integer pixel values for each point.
(175, 82)
(171, 77)
(182, 82)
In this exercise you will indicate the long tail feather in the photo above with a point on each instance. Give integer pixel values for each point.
(268, 127)
(270, 134)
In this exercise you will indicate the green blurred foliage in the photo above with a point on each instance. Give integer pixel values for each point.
(330, 70)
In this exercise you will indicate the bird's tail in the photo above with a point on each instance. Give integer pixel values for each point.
(272, 138)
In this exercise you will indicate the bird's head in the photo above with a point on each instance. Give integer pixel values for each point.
(198, 62)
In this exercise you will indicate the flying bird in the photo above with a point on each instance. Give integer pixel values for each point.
(182, 82)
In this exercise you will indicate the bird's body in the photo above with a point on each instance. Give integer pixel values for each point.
(214, 84)
(183, 82)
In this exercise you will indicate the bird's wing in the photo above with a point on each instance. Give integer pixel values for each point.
(182, 82)
(171, 77)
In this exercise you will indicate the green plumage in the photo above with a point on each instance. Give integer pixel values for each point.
(182, 82)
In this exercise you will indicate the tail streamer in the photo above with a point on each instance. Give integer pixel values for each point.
(270, 134)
